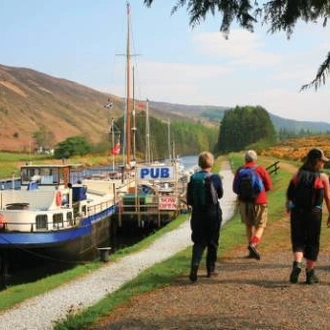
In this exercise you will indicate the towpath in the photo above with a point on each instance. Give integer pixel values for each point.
(41, 312)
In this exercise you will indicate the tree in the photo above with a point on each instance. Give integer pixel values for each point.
(77, 145)
(43, 138)
(188, 138)
(280, 15)
(245, 126)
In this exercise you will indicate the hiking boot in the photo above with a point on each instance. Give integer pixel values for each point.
(211, 272)
(296, 269)
(193, 273)
(311, 278)
(214, 273)
(250, 255)
(253, 251)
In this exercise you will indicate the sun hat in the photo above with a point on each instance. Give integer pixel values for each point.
(317, 153)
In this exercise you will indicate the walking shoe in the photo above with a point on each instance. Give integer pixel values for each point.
(249, 256)
(211, 272)
(214, 273)
(296, 269)
(253, 251)
(193, 273)
(311, 278)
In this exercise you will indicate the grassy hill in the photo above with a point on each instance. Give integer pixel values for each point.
(30, 100)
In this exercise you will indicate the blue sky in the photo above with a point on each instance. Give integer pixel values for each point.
(80, 40)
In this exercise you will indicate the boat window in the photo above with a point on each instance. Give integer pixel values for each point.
(24, 175)
(30, 174)
(57, 220)
(41, 221)
(43, 175)
(69, 219)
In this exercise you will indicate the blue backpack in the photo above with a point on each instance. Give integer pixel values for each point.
(247, 184)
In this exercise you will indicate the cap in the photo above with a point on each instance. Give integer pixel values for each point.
(317, 153)
(250, 156)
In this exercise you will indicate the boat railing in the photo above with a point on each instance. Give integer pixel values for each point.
(38, 226)
(94, 209)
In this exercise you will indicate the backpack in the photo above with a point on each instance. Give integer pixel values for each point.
(247, 184)
(306, 190)
(201, 190)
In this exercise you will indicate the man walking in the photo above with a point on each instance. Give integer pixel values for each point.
(251, 182)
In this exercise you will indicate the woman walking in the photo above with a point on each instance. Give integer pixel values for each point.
(305, 194)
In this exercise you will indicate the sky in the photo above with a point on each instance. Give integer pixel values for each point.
(85, 41)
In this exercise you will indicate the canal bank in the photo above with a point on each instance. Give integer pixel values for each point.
(41, 312)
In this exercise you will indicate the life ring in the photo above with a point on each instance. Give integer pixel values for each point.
(58, 198)
(2, 222)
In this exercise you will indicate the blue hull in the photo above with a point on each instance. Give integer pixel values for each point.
(74, 243)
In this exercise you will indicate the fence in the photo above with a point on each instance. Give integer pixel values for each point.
(273, 168)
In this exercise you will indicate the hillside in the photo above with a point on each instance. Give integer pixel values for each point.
(30, 100)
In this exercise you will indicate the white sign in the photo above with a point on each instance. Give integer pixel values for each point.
(162, 173)
(167, 203)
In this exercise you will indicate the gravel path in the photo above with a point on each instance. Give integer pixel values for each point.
(41, 312)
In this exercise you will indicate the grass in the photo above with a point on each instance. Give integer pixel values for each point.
(10, 162)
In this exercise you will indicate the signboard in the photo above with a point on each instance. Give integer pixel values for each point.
(167, 203)
(158, 172)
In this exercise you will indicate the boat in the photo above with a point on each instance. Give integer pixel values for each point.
(154, 197)
(55, 216)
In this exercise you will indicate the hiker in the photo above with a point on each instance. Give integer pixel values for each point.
(305, 194)
(252, 200)
(203, 193)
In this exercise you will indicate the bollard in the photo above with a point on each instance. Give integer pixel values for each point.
(104, 253)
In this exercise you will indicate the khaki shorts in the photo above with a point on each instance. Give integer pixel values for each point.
(254, 214)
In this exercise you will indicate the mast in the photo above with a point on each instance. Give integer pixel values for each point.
(148, 156)
(113, 143)
(134, 121)
(128, 91)
(169, 139)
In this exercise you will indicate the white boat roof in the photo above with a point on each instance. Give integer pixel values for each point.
(51, 165)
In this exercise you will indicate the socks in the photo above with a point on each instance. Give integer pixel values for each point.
(255, 240)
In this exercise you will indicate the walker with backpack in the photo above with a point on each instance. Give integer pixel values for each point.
(202, 190)
(247, 184)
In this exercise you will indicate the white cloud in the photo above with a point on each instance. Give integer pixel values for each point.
(247, 69)
(242, 48)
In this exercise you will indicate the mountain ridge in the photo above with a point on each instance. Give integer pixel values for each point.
(30, 99)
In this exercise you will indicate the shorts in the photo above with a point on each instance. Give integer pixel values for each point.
(254, 214)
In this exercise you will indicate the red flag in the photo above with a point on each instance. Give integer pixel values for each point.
(116, 149)
(140, 105)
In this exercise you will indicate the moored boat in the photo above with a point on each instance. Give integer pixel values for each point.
(55, 215)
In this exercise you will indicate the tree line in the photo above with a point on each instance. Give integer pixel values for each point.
(240, 128)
